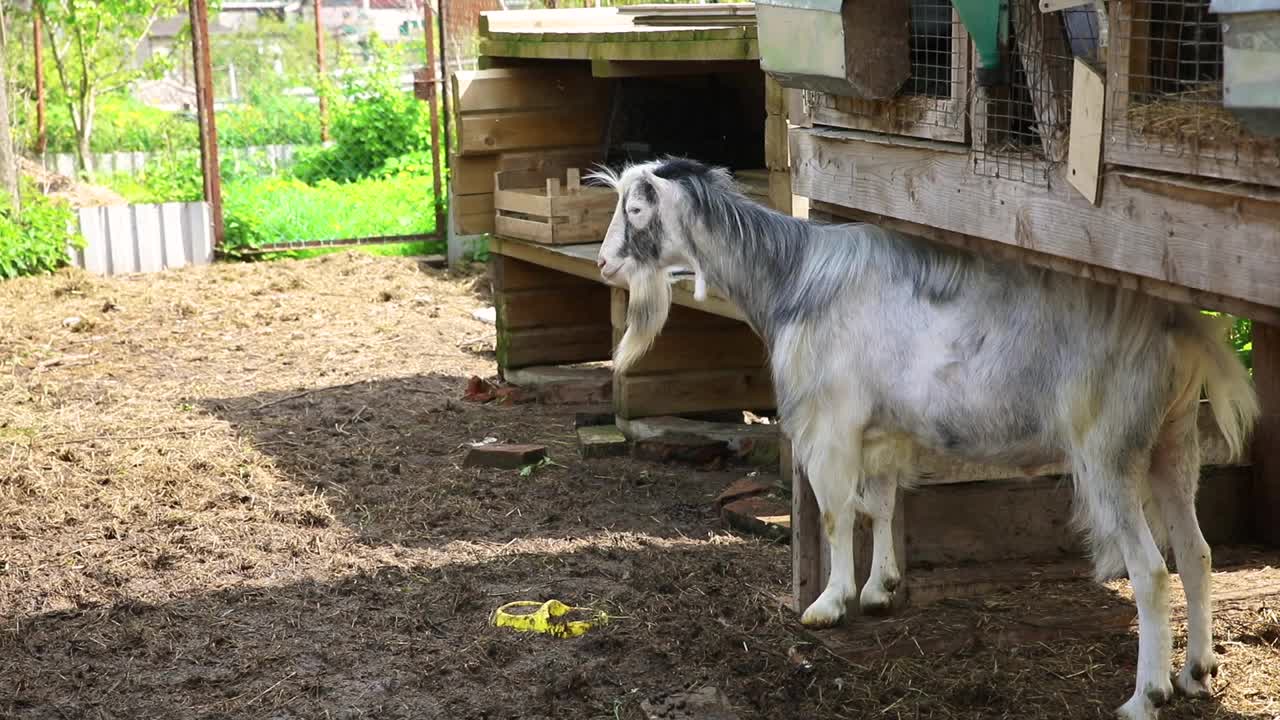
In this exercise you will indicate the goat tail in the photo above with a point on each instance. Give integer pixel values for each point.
(1225, 380)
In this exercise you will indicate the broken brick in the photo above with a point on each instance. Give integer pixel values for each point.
(760, 515)
(504, 457)
(601, 441)
(742, 488)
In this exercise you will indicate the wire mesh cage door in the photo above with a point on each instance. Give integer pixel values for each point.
(1020, 131)
(1165, 109)
(933, 103)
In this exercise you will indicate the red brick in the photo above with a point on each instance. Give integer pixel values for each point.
(759, 515)
(505, 457)
(742, 488)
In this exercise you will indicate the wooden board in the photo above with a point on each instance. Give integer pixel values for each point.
(547, 317)
(1015, 253)
(1266, 440)
(501, 131)
(529, 88)
(553, 346)
(692, 392)
(1209, 237)
(472, 174)
(669, 68)
(1084, 153)
(580, 260)
(741, 47)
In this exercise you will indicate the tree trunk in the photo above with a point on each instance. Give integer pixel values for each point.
(8, 156)
(84, 133)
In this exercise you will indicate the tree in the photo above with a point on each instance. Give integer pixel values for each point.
(95, 44)
(8, 157)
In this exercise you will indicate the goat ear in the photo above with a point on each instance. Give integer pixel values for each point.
(662, 186)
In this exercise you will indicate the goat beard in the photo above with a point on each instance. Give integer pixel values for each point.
(648, 303)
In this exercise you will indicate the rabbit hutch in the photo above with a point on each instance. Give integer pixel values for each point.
(562, 91)
(1132, 142)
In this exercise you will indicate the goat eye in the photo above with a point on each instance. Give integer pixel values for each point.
(634, 210)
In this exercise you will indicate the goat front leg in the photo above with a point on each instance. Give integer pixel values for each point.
(879, 501)
(834, 478)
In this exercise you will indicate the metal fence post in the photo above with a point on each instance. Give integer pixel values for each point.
(428, 28)
(199, 12)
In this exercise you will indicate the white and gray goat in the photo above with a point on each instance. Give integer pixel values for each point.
(880, 343)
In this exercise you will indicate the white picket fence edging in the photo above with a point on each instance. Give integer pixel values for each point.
(276, 156)
(122, 239)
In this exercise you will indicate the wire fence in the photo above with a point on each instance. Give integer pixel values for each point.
(1021, 131)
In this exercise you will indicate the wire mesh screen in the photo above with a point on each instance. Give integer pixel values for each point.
(1170, 99)
(1021, 131)
(935, 94)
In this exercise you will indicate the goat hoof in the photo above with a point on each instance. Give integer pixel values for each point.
(1195, 680)
(825, 611)
(877, 600)
(1139, 707)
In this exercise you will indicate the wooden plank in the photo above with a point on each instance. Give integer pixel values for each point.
(175, 250)
(1207, 238)
(741, 48)
(556, 307)
(1084, 153)
(780, 197)
(472, 174)
(1266, 440)
(500, 131)
(120, 231)
(553, 346)
(809, 557)
(474, 223)
(1222, 163)
(692, 391)
(1106, 276)
(529, 203)
(580, 260)
(473, 204)
(775, 142)
(528, 88)
(510, 274)
(703, 349)
(505, 21)
(668, 68)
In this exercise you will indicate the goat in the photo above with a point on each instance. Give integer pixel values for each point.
(879, 342)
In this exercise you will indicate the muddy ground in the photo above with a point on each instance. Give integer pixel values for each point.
(237, 492)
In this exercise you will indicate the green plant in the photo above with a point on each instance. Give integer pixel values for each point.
(35, 240)
(373, 121)
(1240, 335)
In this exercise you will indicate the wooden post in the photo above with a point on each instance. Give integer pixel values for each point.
(808, 543)
(436, 151)
(199, 12)
(1266, 438)
(42, 129)
(445, 101)
(320, 73)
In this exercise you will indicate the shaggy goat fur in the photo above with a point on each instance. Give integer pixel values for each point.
(880, 342)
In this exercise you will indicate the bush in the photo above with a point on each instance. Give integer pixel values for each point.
(269, 119)
(36, 239)
(372, 122)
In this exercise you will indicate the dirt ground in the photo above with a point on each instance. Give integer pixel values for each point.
(237, 492)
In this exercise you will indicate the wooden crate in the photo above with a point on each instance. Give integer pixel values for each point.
(531, 206)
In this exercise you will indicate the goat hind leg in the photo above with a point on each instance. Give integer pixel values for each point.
(1112, 502)
(1175, 472)
(879, 502)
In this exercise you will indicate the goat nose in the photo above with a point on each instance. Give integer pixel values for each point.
(600, 263)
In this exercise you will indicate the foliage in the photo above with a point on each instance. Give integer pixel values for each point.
(272, 57)
(35, 240)
(269, 120)
(273, 210)
(372, 121)
(1240, 335)
(92, 43)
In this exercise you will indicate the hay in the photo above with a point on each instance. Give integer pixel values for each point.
(1193, 117)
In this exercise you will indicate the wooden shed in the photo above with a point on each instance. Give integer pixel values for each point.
(1106, 151)
(562, 90)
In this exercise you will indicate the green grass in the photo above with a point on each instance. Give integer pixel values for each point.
(272, 210)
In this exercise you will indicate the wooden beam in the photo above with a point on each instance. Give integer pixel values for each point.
(1266, 439)
(668, 68)
(580, 260)
(1207, 237)
(729, 49)
(1106, 276)
(553, 127)
(809, 561)
(1084, 152)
